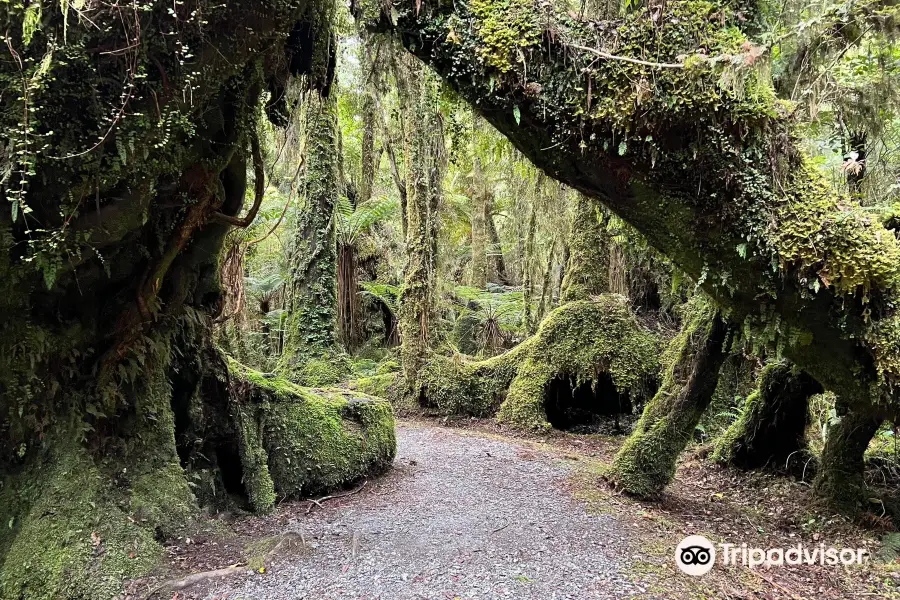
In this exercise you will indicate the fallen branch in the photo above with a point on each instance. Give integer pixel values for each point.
(195, 578)
(334, 497)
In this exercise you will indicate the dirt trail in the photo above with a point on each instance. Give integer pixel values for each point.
(460, 516)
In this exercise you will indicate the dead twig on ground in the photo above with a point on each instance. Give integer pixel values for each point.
(334, 497)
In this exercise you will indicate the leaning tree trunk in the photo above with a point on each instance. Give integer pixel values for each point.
(587, 272)
(692, 148)
(120, 195)
(645, 464)
(773, 422)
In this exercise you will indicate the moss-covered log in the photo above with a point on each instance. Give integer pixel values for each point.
(672, 122)
(773, 420)
(297, 442)
(645, 464)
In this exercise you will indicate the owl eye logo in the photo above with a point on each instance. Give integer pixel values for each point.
(695, 555)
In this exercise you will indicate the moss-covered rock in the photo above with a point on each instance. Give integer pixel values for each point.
(580, 341)
(313, 439)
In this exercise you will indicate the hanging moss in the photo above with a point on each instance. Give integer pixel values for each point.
(313, 440)
(773, 421)
(645, 464)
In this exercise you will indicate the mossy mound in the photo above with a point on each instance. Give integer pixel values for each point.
(458, 386)
(299, 441)
(581, 341)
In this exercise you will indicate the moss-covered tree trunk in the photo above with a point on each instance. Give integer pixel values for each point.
(495, 250)
(528, 319)
(312, 320)
(424, 175)
(645, 464)
(587, 272)
(480, 215)
(127, 151)
(639, 114)
(773, 421)
(839, 478)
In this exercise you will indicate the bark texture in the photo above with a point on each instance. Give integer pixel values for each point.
(587, 272)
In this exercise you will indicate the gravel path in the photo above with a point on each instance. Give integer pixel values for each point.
(460, 517)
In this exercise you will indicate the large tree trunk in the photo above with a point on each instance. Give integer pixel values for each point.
(121, 195)
(311, 324)
(638, 113)
(424, 173)
(645, 464)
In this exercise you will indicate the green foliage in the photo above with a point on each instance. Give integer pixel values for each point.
(352, 222)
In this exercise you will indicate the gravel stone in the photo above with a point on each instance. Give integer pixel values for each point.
(460, 517)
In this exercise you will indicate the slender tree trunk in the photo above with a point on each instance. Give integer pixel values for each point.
(496, 247)
(645, 464)
(528, 262)
(479, 227)
(587, 273)
(312, 319)
(545, 284)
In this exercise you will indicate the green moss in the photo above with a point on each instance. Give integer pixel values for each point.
(580, 340)
(67, 531)
(314, 440)
(505, 27)
(587, 273)
(254, 458)
(382, 386)
(773, 421)
(646, 462)
(458, 386)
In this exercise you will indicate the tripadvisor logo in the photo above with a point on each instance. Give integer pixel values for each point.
(696, 555)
